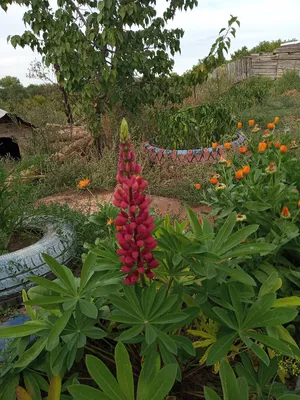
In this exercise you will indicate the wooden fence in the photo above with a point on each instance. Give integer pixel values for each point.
(272, 65)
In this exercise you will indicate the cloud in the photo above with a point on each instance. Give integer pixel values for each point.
(260, 20)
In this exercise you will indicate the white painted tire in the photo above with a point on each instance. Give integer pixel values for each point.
(58, 241)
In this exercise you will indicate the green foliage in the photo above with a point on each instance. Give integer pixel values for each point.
(289, 81)
(101, 65)
(193, 127)
(153, 384)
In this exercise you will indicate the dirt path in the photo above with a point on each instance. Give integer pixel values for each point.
(87, 203)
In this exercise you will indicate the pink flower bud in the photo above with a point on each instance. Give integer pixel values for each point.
(135, 186)
(150, 274)
(140, 243)
(133, 209)
(134, 279)
(153, 264)
(120, 220)
(127, 281)
(135, 255)
(148, 257)
(141, 270)
(124, 204)
(125, 269)
(138, 168)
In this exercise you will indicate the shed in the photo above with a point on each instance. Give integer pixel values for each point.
(14, 132)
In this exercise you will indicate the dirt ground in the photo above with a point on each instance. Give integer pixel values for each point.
(86, 202)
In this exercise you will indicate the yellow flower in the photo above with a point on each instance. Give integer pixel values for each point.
(83, 183)
(241, 218)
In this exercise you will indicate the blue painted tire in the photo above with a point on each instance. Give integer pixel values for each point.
(58, 241)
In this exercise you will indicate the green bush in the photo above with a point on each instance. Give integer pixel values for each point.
(289, 81)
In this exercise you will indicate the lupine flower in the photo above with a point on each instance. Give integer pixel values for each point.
(262, 147)
(285, 212)
(243, 150)
(135, 236)
(214, 145)
(198, 186)
(83, 183)
(271, 169)
(241, 217)
(239, 174)
(214, 180)
(283, 149)
(276, 120)
(251, 122)
(227, 145)
(240, 125)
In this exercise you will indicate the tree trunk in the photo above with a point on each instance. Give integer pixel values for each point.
(66, 99)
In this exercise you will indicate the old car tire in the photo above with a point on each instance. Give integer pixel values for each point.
(58, 240)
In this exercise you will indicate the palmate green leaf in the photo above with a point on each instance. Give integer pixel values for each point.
(224, 317)
(237, 274)
(260, 353)
(45, 300)
(162, 383)
(243, 389)
(292, 301)
(184, 343)
(125, 306)
(104, 378)
(237, 304)
(62, 272)
(169, 318)
(220, 348)
(228, 381)
(278, 316)
(274, 344)
(150, 368)
(131, 333)
(124, 371)
(94, 333)
(210, 394)
(167, 341)
(158, 301)
(237, 238)
(224, 232)
(260, 308)
(166, 306)
(57, 328)
(105, 290)
(32, 353)
(32, 386)
(23, 330)
(194, 222)
(84, 392)
(150, 334)
(47, 284)
(133, 300)
(86, 270)
(87, 308)
(125, 318)
(148, 297)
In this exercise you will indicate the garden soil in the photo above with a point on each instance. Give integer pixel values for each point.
(87, 202)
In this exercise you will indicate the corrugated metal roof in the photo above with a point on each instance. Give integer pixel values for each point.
(15, 117)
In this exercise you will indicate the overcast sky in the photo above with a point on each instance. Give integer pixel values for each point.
(260, 20)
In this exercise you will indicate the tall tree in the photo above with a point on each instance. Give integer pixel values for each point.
(108, 50)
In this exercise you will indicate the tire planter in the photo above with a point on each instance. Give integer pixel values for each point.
(15, 321)
(203, 155)
(58, 241)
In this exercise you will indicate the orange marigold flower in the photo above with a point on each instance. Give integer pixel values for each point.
(229, 163)
(271, 169)
(277, 145)
(214, 145)
(285, 212)
(246, 169)
(109, 221)
(214, 180)
(239, 174)
(227, 145)
(270, 144)
(118, 227)
(198, 186)
(276, 120)
(283, 149)
(240, 125)
(251, 122)
(262, 147)
(83, 183)
(266, 132)
(271, 125)
(243, 150)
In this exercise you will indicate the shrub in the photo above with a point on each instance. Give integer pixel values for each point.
(289, 81)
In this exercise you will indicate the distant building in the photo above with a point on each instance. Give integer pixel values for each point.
(14, 132)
